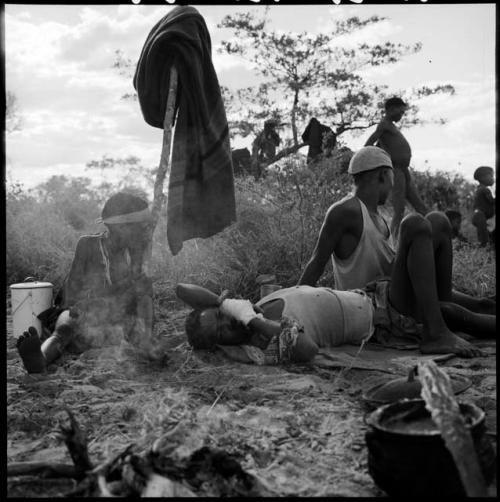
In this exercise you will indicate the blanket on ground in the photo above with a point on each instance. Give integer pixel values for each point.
(373, 357)
(201, 199)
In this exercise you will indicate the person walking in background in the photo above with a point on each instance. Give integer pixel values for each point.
(320, 138)
(264, 147)
(390, 138)
(484, 205)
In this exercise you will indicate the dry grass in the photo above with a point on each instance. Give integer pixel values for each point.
(474, 270)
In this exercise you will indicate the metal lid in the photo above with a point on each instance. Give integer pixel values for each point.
(31, 285)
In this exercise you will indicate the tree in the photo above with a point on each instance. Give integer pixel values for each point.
(73, 198)
(305, 75)
(133, 175)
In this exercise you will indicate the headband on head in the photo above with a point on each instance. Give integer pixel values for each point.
(136, 217)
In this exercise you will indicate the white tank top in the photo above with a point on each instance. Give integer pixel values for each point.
(372, 258)
(329, 317)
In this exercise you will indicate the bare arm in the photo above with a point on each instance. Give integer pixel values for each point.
(197, 296)
(334, 226)
(375, 136)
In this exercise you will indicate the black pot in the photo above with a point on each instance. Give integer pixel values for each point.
(416, 461)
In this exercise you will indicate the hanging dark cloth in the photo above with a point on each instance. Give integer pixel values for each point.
(201, 200)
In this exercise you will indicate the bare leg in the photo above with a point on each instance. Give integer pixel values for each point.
(398, 200)
(443, 253)
(479, 221)
(413, 285)
(477, 305)
(458, 318)
(412, 195)
(197, 297)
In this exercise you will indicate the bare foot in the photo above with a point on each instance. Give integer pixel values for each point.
(28, 346)
(449, 343)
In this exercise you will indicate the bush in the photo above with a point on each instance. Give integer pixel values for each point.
(40, 242)
(278, 221)
(442, 190)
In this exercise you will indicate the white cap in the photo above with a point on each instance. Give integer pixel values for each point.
(368, 158)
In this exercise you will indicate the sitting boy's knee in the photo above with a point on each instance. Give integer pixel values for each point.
(439, 221)
(414, 224)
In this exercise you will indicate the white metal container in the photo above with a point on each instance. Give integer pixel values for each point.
(28, 299)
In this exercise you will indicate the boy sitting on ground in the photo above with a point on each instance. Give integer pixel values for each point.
(484, 205)
(105, 289)
(357, 239)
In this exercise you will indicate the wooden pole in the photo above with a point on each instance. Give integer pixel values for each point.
(158, 195)
(440, 401)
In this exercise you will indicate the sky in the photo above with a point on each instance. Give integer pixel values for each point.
(59, 59)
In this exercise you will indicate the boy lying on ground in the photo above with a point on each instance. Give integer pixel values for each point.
(292, 324)
(105, 290)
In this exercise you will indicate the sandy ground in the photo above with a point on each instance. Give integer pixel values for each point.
(300, 428)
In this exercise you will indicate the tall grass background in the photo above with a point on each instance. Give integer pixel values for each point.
(278, 221)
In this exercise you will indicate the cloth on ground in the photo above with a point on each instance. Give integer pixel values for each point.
(392, 329)
(201, 200)
(279, 350)
(374, 357)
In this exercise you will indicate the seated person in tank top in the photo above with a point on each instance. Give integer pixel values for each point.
(414, 280)
(292, 324)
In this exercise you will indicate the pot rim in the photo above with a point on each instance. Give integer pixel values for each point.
(373, 418)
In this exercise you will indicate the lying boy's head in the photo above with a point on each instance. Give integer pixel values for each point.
(201, 328)
(208, 327)
(485, 175)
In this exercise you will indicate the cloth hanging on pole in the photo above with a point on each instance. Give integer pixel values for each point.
(200, 200)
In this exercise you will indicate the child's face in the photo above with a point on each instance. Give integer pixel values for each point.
(396, 112)
(488, 179)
